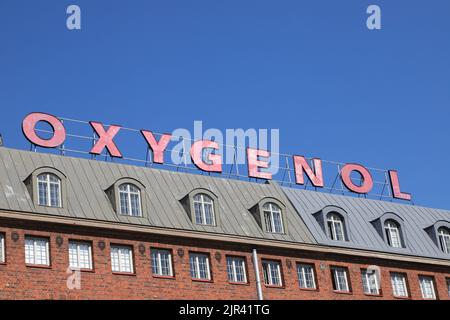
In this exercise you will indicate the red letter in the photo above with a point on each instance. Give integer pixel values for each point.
(254, 163)
(29, 126)
(157, 147)
(395, 187)
(300, 165)
(215, 159)
(105, 139)
(367, 181)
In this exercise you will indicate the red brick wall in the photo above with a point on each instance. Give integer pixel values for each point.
(18, 281)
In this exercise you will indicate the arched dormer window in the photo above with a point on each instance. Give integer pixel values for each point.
(49, 190)
(269, 213)
(127, 196)
(130, 200)
(273, 218)
(444, 239)
(391, 228)
(204, 209)
(393, 234)
(334, 222)
(335, 226)
(47, 187)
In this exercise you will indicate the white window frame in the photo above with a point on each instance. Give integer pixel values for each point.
(334, 220)
(301, 274)
(47, 251)
(268, 267)
(271, 209)
(195, 273)
(158, 252)
(338, 286)
(444, 239)
(427, 289)
(370, 282)
(47, 182)
(392, 230)
(2, 248)
(77, 243)
(397, 280)
(128, 192)
(121, 249)
(233, 267)
(203, 200)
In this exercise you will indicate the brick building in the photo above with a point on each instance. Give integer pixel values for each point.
(84, 229)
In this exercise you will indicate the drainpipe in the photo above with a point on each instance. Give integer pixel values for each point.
(258, 278)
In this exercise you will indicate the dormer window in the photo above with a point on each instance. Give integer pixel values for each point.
(130, 200)
(335, 225)
(444, 239)
(393, 235)
(204, 209)
(49, 190)
(127, 197)
(273, 218)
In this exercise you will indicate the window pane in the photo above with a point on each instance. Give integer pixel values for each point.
(370, 282)
(122, 259)
(199, 265)
(204, 209)
(398, 282)
(130, 200)
(305, 275)
(427, 287)
(272, 273)
(273, 218)
(161, 262)
(236, 269)
(36, 251)
(80, 255)
(49, 190)
(340, 279)
(444, 239)
(2, 248)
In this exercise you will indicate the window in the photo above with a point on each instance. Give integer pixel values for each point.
(448, 286)
(80, 254)
(162, 262)
(427, 287)
(370, 282)
(37, 251)
(236, 269)
(272, 218)
(444, 239)
(305, 273)
(130, 200)
(2, 248)
(49, 190)
(335, 225)
(340, 279)
(398, 281)
(393, 236)
(122, 259)
(272, 273)
(199, 264)
(204, 209)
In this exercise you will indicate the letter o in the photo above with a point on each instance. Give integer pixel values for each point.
(367, 181)
(29, 130)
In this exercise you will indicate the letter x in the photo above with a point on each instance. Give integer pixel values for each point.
(105, 139)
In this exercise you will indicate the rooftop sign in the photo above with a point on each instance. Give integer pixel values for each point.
(205, 156)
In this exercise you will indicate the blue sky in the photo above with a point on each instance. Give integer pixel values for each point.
(310, 68)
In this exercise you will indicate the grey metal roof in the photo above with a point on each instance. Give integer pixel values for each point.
(87, 181)
(360, 213)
